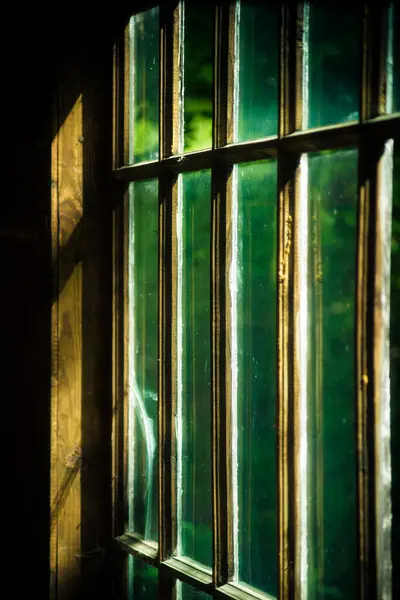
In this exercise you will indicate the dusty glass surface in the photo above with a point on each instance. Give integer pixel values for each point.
(331, 446)
(254, 379)
(142, 580)
(198, 74)
(194, 370)
(395, 368)
(187, 592)
(334, 55)
(144, 86)
(143, 355)
(258, 69)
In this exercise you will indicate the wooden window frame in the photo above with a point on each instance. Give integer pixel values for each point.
(368, 135)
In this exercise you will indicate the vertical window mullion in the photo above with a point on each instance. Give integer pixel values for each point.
(169, 139)
(373, 397)
(221, 452)
(288, 401)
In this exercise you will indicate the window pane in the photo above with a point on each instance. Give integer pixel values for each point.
(258, 69)
(334, 52)
(331, 446)
(143, 355)
(194, 347)
(393, 65)
(142, 580)
(395, 369)
(187, 592)
(253, 280)
(198, 74)
(144, 86)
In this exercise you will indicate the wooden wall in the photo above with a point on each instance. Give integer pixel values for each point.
(81, 201)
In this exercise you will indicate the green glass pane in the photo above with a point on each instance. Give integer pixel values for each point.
(194, 347)
(198, 74)
(394, 59)
(142, 580)
(254, 337)
(395, 369)
(331, 446)
(187, 592)
(258, 69)
(334, 53)
(144, 86)
(143, 358)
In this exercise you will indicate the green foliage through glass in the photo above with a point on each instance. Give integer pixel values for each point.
(198, 74)
(144, 86)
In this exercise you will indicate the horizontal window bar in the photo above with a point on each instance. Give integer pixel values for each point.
(146, 550)
(234, 590)
(324, 138)
(189, 572)
(186, 570)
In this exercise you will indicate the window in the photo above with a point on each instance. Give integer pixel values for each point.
(256, 386)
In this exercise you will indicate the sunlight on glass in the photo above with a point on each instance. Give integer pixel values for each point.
(258, 40)
(144, 86)
(253, 289)
(331, 447)
(142, 580)
(143, 358)
(198, 74)
(194, 370)
(395, 368)
(333, 46)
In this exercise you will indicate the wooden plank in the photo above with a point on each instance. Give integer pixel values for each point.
(68, 505)
(54, 357)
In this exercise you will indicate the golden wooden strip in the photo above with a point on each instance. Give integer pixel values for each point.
(67, 509)
(54, 353)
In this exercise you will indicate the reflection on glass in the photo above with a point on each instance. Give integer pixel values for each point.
(187, 592)
(144, 86)
(395, 368)
(253, 289)
(143, 354)
(194, 347)
(258, 69)
(334, 51)
(198, 74)
(331, 447)
(142, 580)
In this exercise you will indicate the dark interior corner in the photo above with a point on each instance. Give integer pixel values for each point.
(50, 57)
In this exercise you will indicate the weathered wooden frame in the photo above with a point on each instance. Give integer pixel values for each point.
(368, 136)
